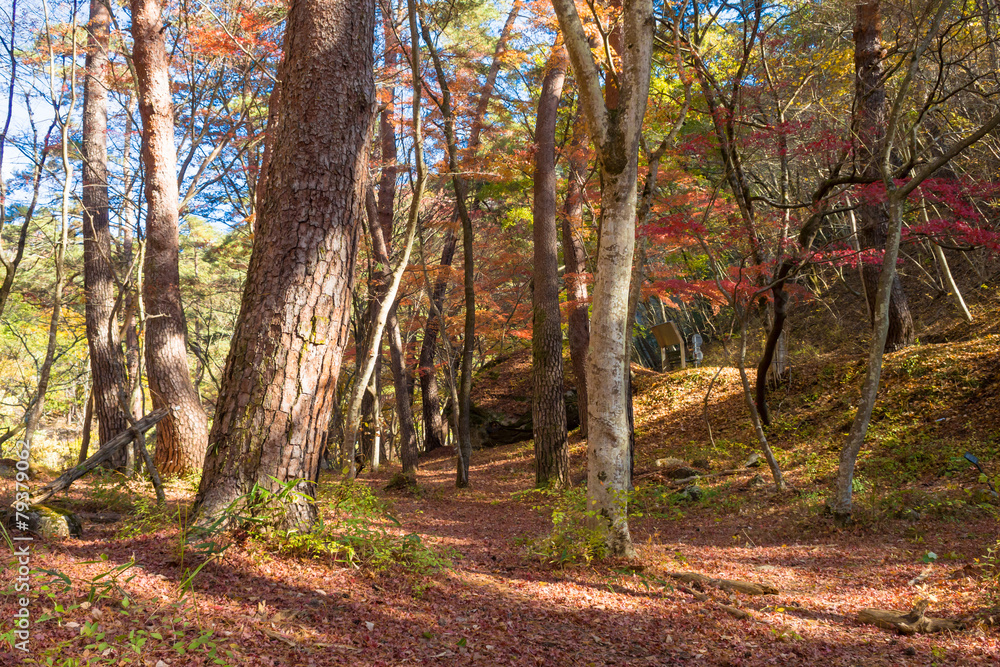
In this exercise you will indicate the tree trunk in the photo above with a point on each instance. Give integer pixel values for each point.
(88, 423)
(616, 137)
(464, 406)
(133, 307)
(574, 259)
(842, 505)
(181, 437)
(280, 380)
(107, 362)
(404, 405)
(387, 303)
(434, 427)
(548, 405)
(870, 130)
(386, 202)
(35, 411)
(774, 337)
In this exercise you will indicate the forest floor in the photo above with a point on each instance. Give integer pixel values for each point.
(506, 598)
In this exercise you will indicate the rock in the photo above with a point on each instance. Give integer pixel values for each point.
(692, 493)
(50, 522)
(753, 461)
(703, 464)
(682, 472)
(756, 481)
(669, 462)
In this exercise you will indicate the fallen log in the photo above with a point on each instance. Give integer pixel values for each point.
(907, 623)
(735, 612)
(64, 480)
(725, 584)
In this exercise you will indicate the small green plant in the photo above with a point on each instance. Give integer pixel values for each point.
(109, 606)
(991, 575)
(147, 517)
(576, 536)
(358, 529)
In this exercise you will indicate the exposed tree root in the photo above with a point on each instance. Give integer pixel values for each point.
(725, 584)
(735, 612)
(908, 623)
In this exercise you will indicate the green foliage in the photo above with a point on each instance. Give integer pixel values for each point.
(576, 537)
(146, 517)
(991, 574)
(355, 528)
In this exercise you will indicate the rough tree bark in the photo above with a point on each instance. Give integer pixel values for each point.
(574, 259)
(870, 120)
(181, 437)
(548, 405)
(107, 362)
(279, 385)
(616, 138)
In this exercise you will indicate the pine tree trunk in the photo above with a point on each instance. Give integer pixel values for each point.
(574, 258)
(870, 126)
(107, 362)
(280, 380)
(181, 437)
(548, 405)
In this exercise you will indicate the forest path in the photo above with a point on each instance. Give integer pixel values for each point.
(608, 614)
(500, 605)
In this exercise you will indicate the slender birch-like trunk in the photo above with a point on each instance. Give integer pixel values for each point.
(616, 138)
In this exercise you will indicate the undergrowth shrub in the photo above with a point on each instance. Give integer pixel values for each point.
(575, 538)
(355, 527)
(991, 575)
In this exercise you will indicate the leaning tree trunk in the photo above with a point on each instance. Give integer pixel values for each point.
(574, 258)
(181, 437)
(615, 132)
(386, 219)
(280, 380)
(107, 362)
(843, 501)
(434, 426)
(870, 130)
(548, 405)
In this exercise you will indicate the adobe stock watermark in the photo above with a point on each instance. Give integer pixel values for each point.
(22, 540)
